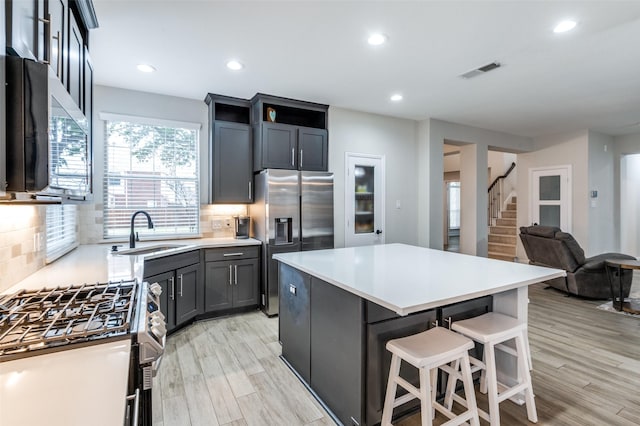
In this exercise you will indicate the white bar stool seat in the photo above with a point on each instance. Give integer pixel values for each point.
(493, 330)
(428, 351)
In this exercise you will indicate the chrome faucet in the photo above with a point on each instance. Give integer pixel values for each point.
(134, 235)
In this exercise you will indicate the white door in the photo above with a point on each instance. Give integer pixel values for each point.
(364, 199)
(551, 197)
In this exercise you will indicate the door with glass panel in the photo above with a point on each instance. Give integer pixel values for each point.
(551, 197)
(364, 200)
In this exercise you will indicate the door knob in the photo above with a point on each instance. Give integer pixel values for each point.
(378, 231)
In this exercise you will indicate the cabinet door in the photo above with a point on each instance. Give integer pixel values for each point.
(57, 13)
(186, 293)
(245, 288)
(75, 82)
(295, 320)
(313, 149)
(167, 297)
(218, 291)
(22, 28)
(279, 146)
(232, 163)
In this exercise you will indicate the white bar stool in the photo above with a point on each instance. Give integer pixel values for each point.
(428, 351)
(493, 330)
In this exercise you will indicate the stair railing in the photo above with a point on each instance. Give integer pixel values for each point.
(495, 191)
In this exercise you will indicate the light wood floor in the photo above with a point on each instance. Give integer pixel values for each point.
(227, 371)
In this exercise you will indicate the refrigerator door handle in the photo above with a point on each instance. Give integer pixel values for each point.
(250, 192)
(301, 158)
(293, 156)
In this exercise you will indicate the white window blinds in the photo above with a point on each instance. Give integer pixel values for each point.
(150, 166)
(61, 230)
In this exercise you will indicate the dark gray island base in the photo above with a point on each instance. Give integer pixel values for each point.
(335, 342)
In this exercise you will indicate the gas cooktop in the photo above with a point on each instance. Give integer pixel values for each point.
(38, 321)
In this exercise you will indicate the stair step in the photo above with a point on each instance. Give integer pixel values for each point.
(512, 206)
(509, 214)
(500, 256)
(503, 239)
(500, 248)
(503, 230)
(506, 221)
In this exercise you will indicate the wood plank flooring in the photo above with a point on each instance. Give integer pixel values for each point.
(227, 371)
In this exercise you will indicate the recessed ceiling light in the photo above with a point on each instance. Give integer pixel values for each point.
(146, 68)
(234, 65)
(396, 98)
(565, 26)
(377, 39)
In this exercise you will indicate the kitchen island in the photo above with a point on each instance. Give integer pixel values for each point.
(339, 307)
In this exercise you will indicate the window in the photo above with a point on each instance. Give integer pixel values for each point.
(151, 165)
(61, 230)
(454, 205)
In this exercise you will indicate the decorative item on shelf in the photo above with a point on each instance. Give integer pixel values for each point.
(271, 114)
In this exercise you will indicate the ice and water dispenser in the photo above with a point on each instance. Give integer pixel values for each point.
(283, 230)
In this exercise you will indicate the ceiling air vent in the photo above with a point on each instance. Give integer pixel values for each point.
(481, 70)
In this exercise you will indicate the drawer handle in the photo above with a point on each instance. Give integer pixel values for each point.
(235, 272)
(232, 254)
(180, 285)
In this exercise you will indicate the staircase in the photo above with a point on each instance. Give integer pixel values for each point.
(502, 236)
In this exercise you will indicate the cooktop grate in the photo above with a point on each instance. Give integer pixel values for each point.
(49, 318)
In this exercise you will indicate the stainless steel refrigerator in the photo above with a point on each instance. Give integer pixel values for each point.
(292, 211)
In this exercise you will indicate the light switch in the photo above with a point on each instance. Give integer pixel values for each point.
(292, 289)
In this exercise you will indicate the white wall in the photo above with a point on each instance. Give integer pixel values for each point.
(130, 102)
(431, 139)
(359, 132)
(602, 231)
(627, 195)
(567, 149)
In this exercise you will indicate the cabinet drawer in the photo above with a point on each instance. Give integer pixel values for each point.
(231, 253)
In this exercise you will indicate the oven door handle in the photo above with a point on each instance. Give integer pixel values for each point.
(136, 408)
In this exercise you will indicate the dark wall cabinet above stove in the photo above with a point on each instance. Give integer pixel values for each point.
(182, 286)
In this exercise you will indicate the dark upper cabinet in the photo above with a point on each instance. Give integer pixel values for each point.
(313, 149)
(278, 148)
(55, 52)
(24, 22)
(289, 134)
(75, 62)
(231, 150)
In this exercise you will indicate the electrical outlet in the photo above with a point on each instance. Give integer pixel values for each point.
(216, 224)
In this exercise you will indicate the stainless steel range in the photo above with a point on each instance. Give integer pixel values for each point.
(65, 318)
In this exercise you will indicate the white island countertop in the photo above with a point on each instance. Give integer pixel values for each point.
(407, 279)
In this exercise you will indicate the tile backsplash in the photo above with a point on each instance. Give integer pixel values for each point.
(23, 234)
(22, 242)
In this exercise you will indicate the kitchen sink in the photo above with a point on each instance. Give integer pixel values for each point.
(148, 249)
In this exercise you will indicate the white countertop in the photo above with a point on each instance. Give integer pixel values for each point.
(96, 263)
(64, 388)
(408, 279)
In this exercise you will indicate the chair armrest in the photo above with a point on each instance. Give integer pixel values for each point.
(597, 262)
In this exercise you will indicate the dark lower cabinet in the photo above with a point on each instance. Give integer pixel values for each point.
(232, 278)
(186, 294)
(295, 320)
(179, 276)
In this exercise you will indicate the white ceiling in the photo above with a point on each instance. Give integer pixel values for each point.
(317, 51)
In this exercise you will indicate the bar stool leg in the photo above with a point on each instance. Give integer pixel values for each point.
(425, 397)
(392, 387)
(451, 386)
(492, 384)
(434, 387)
(526, 377)
(469, 392)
